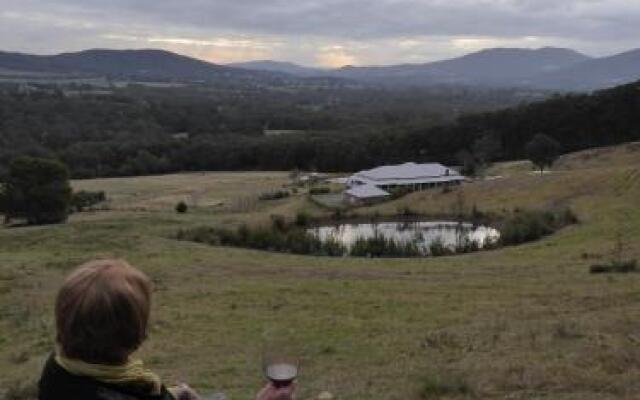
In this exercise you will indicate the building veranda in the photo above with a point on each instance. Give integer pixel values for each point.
(380, 183)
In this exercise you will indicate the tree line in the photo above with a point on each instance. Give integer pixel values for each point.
(133, 133)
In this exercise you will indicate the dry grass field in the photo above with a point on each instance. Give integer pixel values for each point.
(525, 322)
(198, 189)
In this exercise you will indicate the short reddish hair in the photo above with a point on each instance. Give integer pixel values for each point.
(102, 312)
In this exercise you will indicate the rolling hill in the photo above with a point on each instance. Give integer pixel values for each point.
(492, 67)
(143, 65)
(594, 74)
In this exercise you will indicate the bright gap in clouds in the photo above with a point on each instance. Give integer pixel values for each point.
(316, 52)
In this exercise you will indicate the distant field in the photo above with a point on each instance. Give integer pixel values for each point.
(198, 189)
(525, 322)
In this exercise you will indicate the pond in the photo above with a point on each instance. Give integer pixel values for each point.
(426, 235)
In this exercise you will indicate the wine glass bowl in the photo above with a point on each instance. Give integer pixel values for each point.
(281, 373)
(280, 366)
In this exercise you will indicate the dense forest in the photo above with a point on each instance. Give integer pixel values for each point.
(140, 130)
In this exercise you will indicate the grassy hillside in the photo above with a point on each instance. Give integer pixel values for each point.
(520, 322)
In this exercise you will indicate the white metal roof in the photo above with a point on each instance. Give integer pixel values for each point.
(399, 182)
(408, 170)
(366, 191)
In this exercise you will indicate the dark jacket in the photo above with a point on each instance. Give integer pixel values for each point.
(58, 384)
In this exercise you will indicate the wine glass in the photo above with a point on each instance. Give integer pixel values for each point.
(280, 366)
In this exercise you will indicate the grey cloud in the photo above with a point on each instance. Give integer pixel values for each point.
(599, 26)
(361, 19)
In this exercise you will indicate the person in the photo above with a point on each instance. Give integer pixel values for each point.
(101, 315)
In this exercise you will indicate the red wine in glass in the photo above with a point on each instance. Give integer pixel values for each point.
(281, 373)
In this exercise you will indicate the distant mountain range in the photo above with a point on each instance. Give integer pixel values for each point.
(492, 67)
(545, 68)
(595, 73)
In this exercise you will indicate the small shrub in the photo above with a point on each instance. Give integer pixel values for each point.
(277, 195)
(375, 216)
(467, 246)
(328, 350)
(476, 215)
(181, 207)
(490, 243)
(568, 217)
(620, 267)
(199, 235)
(438, 249)
(407, 211)
(528, 225)
(278, 237)
(333, 248)
(436, 387)
(85, 199)
(279, 223)
(567, 330)
(381, 246)
(319, 190)
(338, 215)
(302, 219)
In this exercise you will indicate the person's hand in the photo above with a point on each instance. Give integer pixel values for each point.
(184, 392)
(271, 392)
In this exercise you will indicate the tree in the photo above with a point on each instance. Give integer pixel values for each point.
(38, 190)
(467, 161)
(543, 151)
(487, 148)
(181, 207)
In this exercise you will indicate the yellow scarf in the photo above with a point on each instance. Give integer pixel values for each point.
(132, 374)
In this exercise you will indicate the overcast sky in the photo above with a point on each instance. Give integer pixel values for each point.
(319, 32)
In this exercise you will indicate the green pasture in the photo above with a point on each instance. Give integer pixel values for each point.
(526, 322)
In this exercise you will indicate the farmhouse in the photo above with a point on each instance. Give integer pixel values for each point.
(408, 177)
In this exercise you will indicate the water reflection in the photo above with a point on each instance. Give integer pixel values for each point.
(451, 235)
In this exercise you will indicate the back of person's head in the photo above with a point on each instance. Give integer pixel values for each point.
(102, 312)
